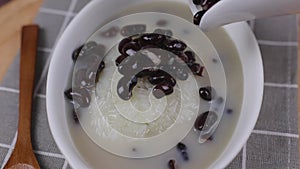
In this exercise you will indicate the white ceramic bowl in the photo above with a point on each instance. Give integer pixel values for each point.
(235, 44)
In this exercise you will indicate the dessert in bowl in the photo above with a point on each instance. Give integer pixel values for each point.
(238, 55)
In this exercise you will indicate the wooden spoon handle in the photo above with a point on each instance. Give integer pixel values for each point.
(27, 71)
(23, 155)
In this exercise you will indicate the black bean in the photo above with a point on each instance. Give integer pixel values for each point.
(162, 23)
(229, 111)
(132, 83)
(68, 94)
(92, 53)
(90, 61)
(183, 57)
(166, 68)
(135, 38)
(111, 32)
(93, 72)
(126, 68)
(120, 59)
(171, 80)
(208, 4)
(200, 121)
(101, 67)
(205, 120)
(99, 50)
(207, 93)
(99, 70)
(130, 30)
(175, 45)
(176, 61)
(89, 45)
(157, 77)
(166, 32)
(185, 156)
(134, 64)
(207, 136)
(123, 93)
(171, 164)
(211, 138)
(125, 87)
(75, 116)
(166, 57)
(147, 72)
(122, 43)
(198, 2)
(76, 53)
(81, 79)
(87, 48)
(197, 69)
(162, 90)
(82, 97)
(143, 73)
(181, 147)
(166, 61)
(198, 17)
(130, 48)
(220, 100)
(150, 46)
(161, 76)
(214, 60)
(151, 38)
(160, 57)
(191, 56)
(79, 96)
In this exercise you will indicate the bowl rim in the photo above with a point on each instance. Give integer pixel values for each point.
(236, 32)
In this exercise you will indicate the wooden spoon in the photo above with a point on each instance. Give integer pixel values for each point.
(23, 156)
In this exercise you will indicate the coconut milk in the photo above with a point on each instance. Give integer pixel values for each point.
(199, 154)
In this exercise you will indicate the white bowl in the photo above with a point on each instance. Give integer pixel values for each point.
(235, 44)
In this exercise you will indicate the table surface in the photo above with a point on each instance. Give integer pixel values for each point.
(273, 143)
(298, 72)
(11, 23)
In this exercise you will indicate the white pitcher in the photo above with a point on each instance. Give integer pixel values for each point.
(228, 11)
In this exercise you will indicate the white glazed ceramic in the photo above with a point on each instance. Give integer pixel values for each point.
(79, 150)
(229, 11)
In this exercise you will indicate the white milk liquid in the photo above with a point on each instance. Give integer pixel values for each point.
(148, 140)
